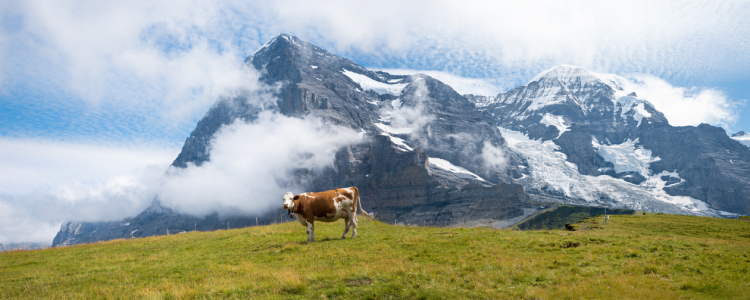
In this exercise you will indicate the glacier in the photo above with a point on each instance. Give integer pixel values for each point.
(551, 173)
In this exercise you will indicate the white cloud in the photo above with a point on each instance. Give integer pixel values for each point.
(44, 183)
(484, 39)
(171, 59)
(682, 106)
(688, 106)
(462, 85)
(493, 158)
(251, 163)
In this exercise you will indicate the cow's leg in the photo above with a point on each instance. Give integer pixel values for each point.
(354, 225)
(348, 223)
(310, 232)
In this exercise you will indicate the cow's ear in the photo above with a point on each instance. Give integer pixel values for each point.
(296, 197)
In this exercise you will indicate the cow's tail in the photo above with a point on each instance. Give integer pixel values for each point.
(359, 202)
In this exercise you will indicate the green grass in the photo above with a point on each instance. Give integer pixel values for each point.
(633, 257)
(567, 214)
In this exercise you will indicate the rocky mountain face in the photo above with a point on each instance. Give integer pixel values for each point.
(604, 130)
(431, 157)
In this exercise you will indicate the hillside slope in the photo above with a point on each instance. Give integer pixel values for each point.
(633, 257)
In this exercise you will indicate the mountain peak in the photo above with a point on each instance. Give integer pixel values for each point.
(567, 73)
(283, 40)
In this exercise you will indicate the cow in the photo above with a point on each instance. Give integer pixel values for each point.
(327, 206)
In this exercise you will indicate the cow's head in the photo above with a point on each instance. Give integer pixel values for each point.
(289, 200)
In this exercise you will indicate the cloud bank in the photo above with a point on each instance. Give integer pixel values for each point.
(684, 106)
(173, 58)
(44, 183)
(251, 164)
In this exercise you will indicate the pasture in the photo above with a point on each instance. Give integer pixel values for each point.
(632, 257)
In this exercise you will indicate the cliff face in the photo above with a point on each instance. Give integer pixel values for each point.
(427, 159)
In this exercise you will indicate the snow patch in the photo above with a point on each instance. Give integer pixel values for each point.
(399, 142)
(638, 106)
(396, 103)
(640, 113)
(448, 166)
(727, 214)
(557, 121)
(292, 40)
(550, 171)
(368, 83)
(626, 157)
(391, 130)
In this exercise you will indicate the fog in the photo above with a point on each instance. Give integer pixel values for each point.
(251, 163)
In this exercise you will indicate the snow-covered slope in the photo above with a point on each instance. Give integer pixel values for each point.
(550, 173)
(448, 166)
(614, 141)
(368, 83)
(573, 93)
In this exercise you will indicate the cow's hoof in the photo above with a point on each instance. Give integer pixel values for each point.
(343, 237)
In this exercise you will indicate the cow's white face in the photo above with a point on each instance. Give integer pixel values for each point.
(288, 200)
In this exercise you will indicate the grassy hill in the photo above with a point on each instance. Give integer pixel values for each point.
(557, 217)
(633, 257)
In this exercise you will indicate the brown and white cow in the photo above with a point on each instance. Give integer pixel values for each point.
(327, 206)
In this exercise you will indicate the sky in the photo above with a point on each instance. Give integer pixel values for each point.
(97, 97)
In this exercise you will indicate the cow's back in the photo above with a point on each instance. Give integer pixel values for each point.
(321, 204)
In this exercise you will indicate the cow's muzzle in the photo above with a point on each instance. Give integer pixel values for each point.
(286, 206)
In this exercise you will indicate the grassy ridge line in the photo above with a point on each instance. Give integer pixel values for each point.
(635, 257)
(557, 216)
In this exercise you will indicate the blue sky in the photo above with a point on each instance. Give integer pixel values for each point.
(115, 88)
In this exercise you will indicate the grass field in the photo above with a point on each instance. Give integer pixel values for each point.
(633, 257)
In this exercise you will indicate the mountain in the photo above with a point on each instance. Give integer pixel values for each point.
(607, 146)
(431, 158)
(435, 157)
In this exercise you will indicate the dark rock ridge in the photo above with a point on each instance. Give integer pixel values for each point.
(406, 171)
(716, 169)
(591, 109)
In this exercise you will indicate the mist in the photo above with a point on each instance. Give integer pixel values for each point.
(251, 162)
